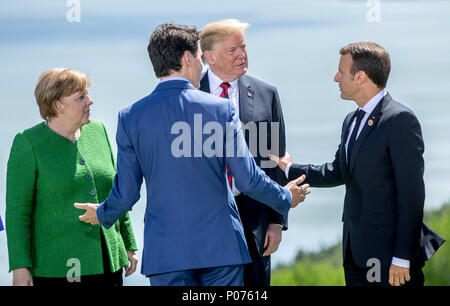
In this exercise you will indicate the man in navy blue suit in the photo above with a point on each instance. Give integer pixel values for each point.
(181, 140)
(380, 161)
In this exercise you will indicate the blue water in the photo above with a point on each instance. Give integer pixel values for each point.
(292, 44)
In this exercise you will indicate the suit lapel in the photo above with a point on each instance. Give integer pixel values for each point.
(246, 96)
(343, 154)
(369, 125)
(204, 83)
(246, 99)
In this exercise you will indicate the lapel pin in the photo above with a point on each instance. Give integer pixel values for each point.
(249, 94)
(370, 122)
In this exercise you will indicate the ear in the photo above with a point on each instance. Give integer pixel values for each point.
(187, 58)
(361, 77)
(58, 105)
(209, 57)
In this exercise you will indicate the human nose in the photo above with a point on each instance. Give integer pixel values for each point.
(337, 77)
(242, 52)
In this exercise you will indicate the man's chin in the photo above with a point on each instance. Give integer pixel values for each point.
(344, 97)
(241, 72)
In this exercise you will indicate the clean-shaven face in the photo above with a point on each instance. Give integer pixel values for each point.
(197, 68)
(347, 81)
(229, 59)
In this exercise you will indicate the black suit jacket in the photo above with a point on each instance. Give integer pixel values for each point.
(383, 206)
(258, 102)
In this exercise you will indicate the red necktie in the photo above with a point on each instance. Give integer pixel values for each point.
(224, 94)
(224, 86)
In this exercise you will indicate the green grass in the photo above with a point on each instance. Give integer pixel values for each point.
(437, 270)
(324, 268)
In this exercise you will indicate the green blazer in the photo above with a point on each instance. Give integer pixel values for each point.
(46, 175)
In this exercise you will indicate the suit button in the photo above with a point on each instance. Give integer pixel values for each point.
(92, 192)
(82, 162)
(88, 176)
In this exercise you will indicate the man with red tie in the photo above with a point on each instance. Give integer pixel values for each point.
(256, 102)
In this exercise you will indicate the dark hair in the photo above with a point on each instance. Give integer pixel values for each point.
(168, 44)
(372, 59)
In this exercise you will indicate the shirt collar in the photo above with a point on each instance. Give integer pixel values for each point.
(370, 106)
(215, 81)
(173, 79)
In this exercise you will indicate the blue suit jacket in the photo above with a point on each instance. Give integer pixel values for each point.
(191, 219)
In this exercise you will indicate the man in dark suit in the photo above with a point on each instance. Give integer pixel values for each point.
(259, 109)
(380, 161)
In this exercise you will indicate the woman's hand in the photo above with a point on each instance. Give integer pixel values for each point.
(22, 277)
(133, 259)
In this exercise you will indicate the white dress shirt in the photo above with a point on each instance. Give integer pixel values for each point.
(233, 96)
(368, 108)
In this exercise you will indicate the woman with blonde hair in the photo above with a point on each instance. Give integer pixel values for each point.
(65, 159)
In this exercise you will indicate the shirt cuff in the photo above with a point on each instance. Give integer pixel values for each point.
(286, 171)
(400, 262)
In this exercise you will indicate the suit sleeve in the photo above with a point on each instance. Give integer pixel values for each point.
(406, 149)
(20, 192)
(249, 178)
(325, 175)
(126, 229)
(280, 178)
(127, 181)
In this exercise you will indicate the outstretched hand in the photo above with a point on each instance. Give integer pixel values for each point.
(298, 193)
(91, 212)
(282, 162)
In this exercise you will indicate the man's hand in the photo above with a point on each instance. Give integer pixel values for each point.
(133, 259)
(398, 275)
(273, 239)
(283, 162)
(91, 212)
(22, 277)
(298, 193)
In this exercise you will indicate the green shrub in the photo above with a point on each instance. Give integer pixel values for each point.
(437, 269)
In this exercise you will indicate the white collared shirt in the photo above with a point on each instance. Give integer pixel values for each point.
(368, 109)
(233, 96)
(233, 91)
(173, 79)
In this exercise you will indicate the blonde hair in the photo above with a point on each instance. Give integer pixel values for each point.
(217, 31)
(57, 83)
